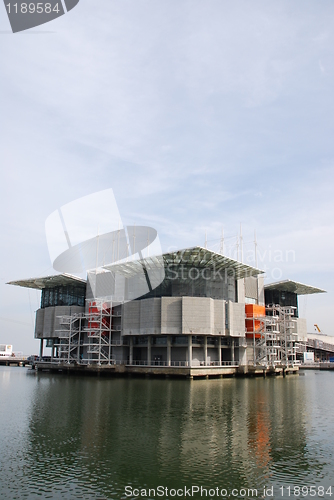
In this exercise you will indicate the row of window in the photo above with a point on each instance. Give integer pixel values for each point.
(63, 296)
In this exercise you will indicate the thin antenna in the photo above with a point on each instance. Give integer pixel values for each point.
(222, 242)
(241, 245)
(255, 246)
(237, 247)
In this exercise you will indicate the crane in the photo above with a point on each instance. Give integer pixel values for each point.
(320, 331)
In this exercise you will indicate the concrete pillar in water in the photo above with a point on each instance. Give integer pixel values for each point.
(190, 350)
(131, 351)
(149, 350)
(41, 348)
(169, 350)
(205, 347)
(219, 351)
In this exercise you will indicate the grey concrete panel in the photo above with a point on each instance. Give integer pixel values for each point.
(300, 328)
(251, 288)
(236, 319)
(39, 323)
(150, 316)
(131, 318)
(241, 290)
(261, 290)
(171, 315)
(219, 317)
(48, 327)
(197, 315)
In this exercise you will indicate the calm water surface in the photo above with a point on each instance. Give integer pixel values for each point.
(88, 438)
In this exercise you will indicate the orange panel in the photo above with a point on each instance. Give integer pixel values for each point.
(254, 325)
(255, 311)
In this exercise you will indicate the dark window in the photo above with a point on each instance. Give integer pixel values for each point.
(63, 296)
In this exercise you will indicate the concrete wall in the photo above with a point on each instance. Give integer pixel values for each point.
(219, 317)
(131, 318)
(251, 288)
(301, 329)
(260, 290)
(184, 315)
(241, 290)
(236, 319)
(47, 323)
(197, 315)
(39, 323)
(171, 315)
(150, 316)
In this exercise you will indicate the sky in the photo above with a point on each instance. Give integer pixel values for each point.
(200, 115)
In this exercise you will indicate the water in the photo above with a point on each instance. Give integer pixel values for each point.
(89, 438)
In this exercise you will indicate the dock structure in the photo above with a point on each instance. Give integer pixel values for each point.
(14, 362)
(197, 372)
(190, 313)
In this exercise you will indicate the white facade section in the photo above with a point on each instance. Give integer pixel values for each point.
(236, 319)
(171, 315)
(197, 315)
(6, 350)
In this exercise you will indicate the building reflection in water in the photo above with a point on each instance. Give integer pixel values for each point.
(94, 436)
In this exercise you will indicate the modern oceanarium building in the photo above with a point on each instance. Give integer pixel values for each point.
(192, 312)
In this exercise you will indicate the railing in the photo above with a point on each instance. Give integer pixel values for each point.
(182, 363)
(104, 360)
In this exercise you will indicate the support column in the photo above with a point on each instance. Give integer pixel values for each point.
(149, 350)
(219, 351)
(205, 347)
(169, 350)
(52, 350)
(41, 348)
(190, 350)
(131, 350)
(232, 350)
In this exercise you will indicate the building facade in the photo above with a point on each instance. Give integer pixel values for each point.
(190, 308)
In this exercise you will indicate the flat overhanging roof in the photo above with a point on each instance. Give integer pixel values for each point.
(49, 281)
(197, 257)
(293, 286)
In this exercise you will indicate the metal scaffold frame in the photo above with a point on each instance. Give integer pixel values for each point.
(88, 337)
(274, 340)
(99, 329)
(69, 335)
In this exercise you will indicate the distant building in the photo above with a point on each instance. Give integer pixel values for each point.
(6, 351)
(209, 312)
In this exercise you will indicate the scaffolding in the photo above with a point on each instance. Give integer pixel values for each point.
(100, 330)
(69, 338)
(271, 332)
(89, 338)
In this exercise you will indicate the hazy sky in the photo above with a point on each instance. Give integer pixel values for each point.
(199, 114)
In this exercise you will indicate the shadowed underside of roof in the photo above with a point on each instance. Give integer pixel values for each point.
(293, 286)
(49, 281)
